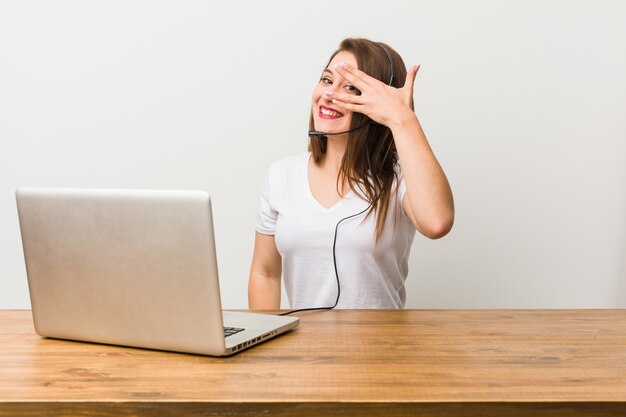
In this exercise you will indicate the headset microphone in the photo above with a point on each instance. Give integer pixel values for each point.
(315, 133)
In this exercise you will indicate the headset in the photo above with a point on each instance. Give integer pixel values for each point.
(315, 133)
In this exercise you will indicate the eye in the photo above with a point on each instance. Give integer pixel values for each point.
(352, 89)
(326, 80)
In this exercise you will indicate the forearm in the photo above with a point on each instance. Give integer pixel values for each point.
(263, 292)
(428, 191)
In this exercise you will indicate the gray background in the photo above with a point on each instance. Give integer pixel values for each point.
(524, 103)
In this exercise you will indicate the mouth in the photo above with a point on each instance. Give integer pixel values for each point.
(328, 113)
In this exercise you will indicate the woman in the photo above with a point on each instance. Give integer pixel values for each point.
(337, 222)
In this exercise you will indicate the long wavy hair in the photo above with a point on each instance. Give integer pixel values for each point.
(374, 140)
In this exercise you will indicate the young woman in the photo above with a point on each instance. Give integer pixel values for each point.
(337, 222)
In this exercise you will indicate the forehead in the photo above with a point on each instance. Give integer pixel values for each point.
(343, 56)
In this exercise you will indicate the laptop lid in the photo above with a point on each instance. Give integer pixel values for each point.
(126, 267)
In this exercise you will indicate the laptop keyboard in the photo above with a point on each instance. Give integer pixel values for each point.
(229, 331)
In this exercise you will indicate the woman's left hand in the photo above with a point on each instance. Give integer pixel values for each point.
(380, 102)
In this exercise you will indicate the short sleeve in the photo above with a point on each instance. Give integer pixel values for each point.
(401, 189)
(401, 183)
(266, 217)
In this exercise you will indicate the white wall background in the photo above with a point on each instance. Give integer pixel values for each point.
(524, 103)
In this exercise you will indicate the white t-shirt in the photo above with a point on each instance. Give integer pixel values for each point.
(371, 274)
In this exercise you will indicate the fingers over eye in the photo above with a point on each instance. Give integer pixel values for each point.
(352, 74)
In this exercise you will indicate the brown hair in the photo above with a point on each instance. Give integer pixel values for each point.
(374, 139)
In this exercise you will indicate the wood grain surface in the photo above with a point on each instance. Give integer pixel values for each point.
(343, 362)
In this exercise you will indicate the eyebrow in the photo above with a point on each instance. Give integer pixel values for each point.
(327, 70)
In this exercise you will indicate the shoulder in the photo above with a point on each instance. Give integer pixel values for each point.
(286, 174)
(291, 161)
(289, 164)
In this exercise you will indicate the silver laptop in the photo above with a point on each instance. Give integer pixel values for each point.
(133, 268)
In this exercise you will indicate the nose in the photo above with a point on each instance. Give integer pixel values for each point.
(335, 88)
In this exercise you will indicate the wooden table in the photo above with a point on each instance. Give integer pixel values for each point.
(368, 362)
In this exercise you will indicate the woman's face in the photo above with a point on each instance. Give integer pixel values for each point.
(328, 117)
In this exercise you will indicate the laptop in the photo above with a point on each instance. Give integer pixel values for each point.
(133, 268)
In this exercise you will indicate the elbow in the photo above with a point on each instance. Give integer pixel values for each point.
(438, 228)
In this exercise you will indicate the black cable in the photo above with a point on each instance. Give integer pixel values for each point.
(369, 164)
(335, 264)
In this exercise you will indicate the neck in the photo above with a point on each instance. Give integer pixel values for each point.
(335, 149)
